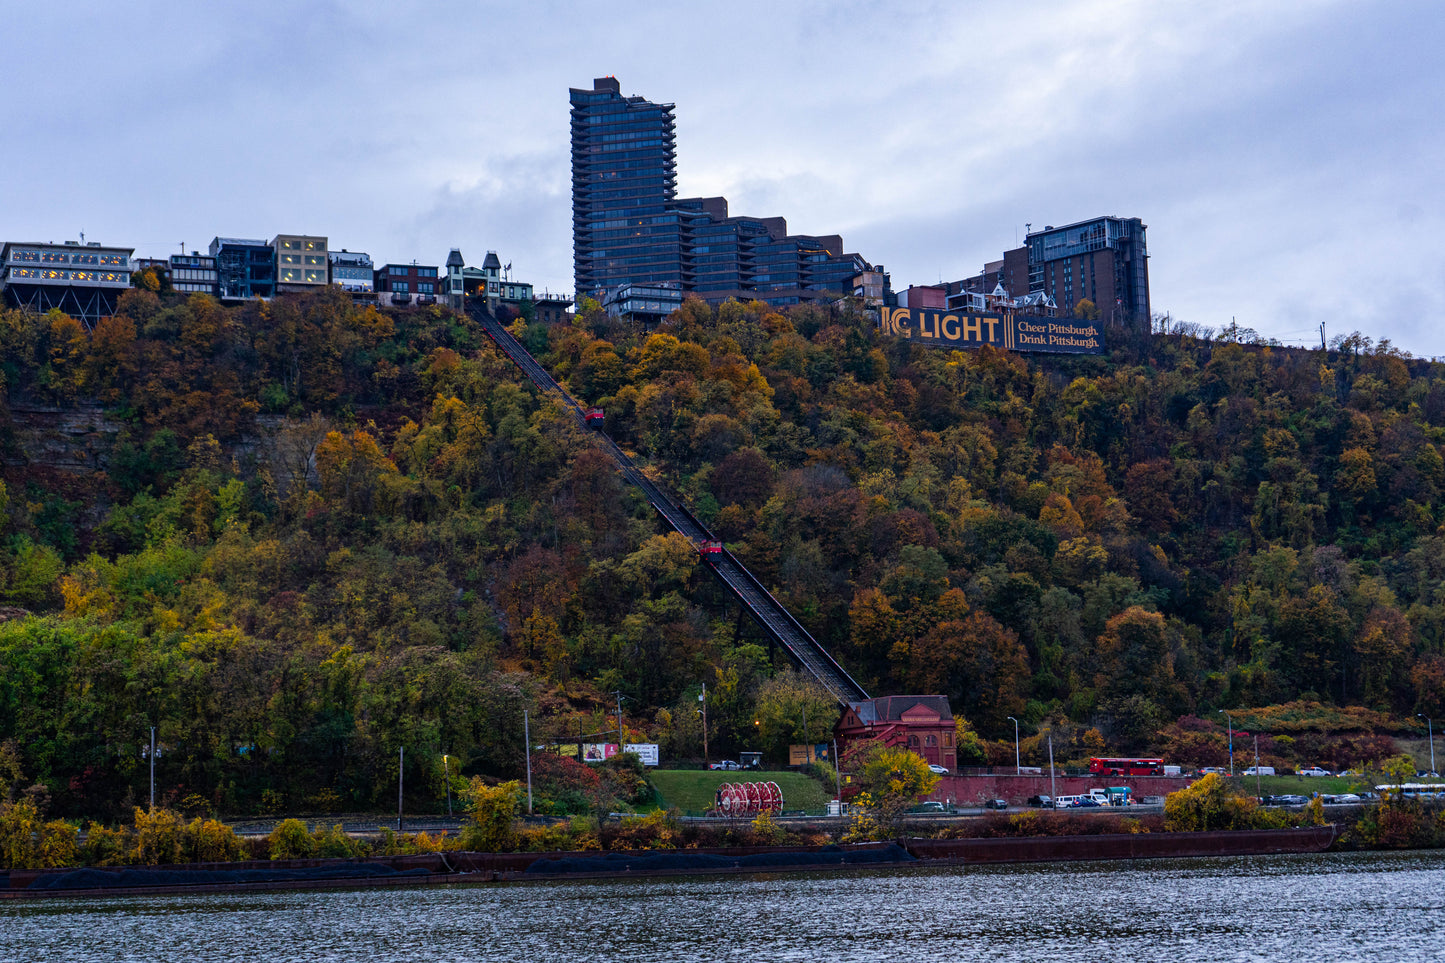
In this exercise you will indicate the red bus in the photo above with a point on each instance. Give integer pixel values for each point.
(1126, 767)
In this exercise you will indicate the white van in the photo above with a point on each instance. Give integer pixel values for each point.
(1065, 802)
(1259, 771)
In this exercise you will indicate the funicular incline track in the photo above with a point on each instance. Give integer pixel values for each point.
(767, 611)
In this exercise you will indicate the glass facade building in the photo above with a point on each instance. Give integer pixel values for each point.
(245, 268)
(624, 161)
(630, 229)
(1104, 260)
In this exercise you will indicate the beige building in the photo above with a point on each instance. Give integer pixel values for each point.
(301, 262)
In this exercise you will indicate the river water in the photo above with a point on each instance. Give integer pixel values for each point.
(1336, 908)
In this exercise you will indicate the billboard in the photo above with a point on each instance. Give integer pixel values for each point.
(598, 751)
(1010, 332)
(647, 750)
(804, 754)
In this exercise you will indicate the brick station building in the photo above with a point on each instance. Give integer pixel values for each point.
(920, 723)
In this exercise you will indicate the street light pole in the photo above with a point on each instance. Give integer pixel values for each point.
(400, 776)
(447, 778)
(1017, 768)
(153, 768)
(1230, 723)
(1431, 724)
(1257, 790)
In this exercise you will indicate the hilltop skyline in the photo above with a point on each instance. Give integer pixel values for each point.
(1282, 159)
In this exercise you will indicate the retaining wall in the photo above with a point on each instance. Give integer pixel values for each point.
(974, 790)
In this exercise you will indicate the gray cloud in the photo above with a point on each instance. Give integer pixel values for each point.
(1283, 155)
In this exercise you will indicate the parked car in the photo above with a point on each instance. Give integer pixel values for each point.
(937, 769)
(1085, 802)
(1310, 771)
(1346, 798)
(726, 764)
(1290, 800)
(996, 804)
(931, 806)
(1045, 802)
(1350, 772)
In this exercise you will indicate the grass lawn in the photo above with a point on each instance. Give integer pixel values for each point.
(1304, 785)
(693, 790)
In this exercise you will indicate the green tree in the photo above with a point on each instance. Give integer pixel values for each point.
(890, 780)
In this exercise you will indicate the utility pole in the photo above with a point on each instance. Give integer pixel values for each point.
(1053, 793)
(703, 699)
(620, 739)
(1430, 723)
(153, 768)
(1018, 769)
(527, 740)
(807, 744)
(400, 775)
(1230, 722)
(1257, 790)
(838, 775)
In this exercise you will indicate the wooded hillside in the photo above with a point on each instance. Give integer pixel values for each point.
(323, 531)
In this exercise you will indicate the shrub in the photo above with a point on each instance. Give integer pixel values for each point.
(58, 844)
(490, 812)
(19, 826)
(334, 842)
(291, 840)
(105, 846)
(211, 841)
(1211, 804)
(767, 830)
(659, 829)
(158, 837)
(426, 843)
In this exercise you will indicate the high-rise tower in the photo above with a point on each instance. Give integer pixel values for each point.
(624, 161)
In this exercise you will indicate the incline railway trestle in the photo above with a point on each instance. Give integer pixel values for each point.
(767, 611)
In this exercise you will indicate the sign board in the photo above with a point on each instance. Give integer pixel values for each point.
(1010, 332)
(598, 751)
(802, 755)
(647, 750)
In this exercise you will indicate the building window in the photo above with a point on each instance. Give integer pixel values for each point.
(425, 287)
(948, 740)
(400, 287)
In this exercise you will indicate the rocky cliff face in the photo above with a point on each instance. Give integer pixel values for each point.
(76, 439)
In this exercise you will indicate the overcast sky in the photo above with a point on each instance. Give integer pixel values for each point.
(1286, 157)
